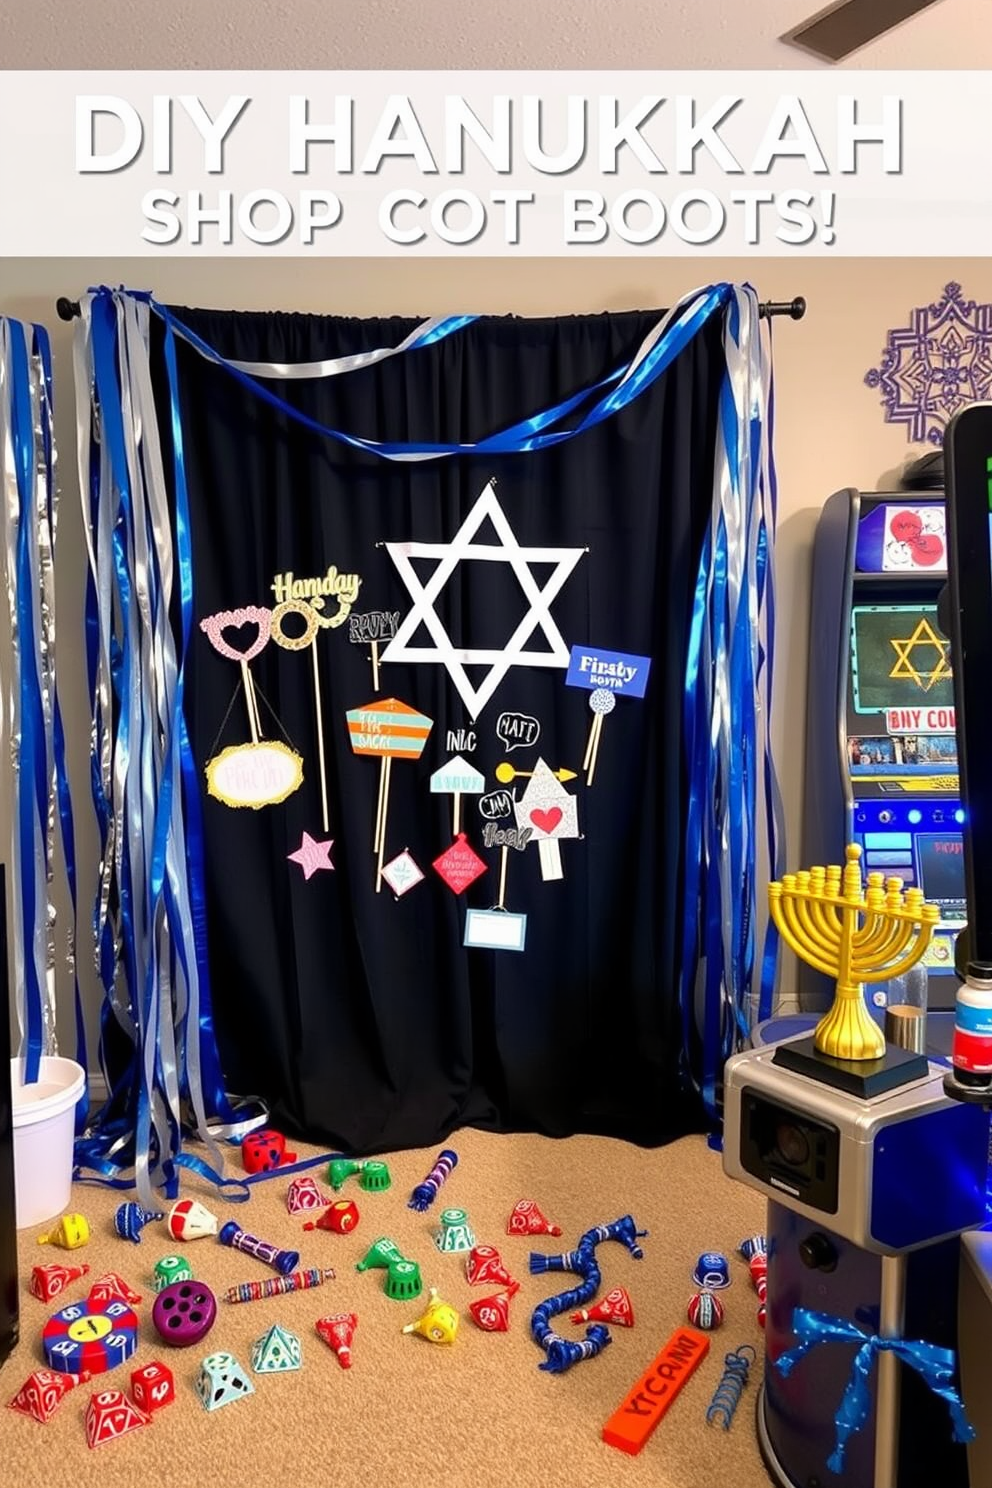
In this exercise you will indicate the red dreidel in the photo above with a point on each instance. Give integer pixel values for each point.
(486, 1264)
(110, 1414)
(42, 1393)
(304, 1195)
(110, 1288)
(492, 1314)
(527, 1219)
(341, 1217)
(614, 1308)
(152, 1386)
(337, 1332)
(48, 1281)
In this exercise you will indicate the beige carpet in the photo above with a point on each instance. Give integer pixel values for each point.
(479, 1413)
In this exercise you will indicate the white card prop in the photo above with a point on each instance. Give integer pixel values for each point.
(551, 813)
(402, 874)
(444, 651)
(457, 778)
(495, 930)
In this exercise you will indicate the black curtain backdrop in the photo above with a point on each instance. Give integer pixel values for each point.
(360, 1018)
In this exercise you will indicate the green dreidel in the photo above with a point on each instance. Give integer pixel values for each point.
(375, 1177)
(455, 1233)
(171, 1268)
(380, 1256)
(403, 1281)
(342, 1168)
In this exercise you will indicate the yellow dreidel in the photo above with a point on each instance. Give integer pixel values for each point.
(70, 1233)
(439, 1323)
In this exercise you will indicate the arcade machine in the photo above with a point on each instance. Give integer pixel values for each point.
(876, 1170)
(881, 750)
(8, 1220)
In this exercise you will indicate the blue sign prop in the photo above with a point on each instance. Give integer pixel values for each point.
(615, 671)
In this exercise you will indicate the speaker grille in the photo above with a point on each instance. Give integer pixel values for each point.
(842, 29)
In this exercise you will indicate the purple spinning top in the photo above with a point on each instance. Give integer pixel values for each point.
(184, 1313)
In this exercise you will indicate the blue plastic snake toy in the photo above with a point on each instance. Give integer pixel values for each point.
(564, 1352)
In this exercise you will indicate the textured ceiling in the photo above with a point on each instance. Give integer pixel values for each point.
(429, 34)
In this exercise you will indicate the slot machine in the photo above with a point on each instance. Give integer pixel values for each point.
(881, 749)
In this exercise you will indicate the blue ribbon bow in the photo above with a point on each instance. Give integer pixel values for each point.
(936, 1366)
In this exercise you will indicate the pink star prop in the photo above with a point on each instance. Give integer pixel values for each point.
(312, 856)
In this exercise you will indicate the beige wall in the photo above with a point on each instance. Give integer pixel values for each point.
(830, 429)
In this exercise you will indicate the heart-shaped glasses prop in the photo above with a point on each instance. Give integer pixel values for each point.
(214, 628)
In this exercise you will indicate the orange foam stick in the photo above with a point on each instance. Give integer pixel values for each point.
(633, 1422)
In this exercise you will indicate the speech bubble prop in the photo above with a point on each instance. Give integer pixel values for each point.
(517, 730)
(257, 774)
(390, 730)
(457, 778)
(496, 805)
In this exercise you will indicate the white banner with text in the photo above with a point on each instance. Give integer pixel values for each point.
(773, 164)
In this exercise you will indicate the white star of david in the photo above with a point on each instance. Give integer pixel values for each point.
(424, 596)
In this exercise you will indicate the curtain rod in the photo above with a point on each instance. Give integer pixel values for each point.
(795, 309)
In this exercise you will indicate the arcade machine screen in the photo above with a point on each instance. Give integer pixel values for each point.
(902, 758)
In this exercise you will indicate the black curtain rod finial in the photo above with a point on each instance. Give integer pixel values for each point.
(66, 309)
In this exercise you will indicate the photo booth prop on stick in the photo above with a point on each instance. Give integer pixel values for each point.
(388, 730)
(551, 813)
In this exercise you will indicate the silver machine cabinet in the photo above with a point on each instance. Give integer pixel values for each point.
(890, 1174)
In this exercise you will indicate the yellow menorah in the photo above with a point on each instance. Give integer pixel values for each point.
(854, 936)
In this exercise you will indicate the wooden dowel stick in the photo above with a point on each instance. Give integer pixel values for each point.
(598, 729)
(320, 736)
(500, 903)
(592, 734)
(375, 666)
(378, 809)
(249, 695)
(382, 830)
(456, 820)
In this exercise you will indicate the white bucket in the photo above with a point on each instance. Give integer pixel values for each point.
(44, 1129)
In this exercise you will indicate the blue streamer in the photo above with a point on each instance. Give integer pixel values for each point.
(31, 784)
(936, 1366)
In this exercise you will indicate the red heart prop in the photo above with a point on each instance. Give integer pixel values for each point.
(906, 526)
(546, 821)
(928, 549)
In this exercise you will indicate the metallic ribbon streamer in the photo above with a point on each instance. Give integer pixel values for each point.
(936, 1366)
(26, 462)
(144, 923)
(733, 793)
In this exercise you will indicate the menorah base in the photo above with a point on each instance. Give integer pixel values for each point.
(864, 1078)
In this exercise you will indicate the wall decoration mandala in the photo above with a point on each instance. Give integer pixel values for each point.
(935, 365)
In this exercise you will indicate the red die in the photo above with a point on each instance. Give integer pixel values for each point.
(261, 1151)
(153, 1386)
